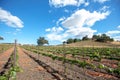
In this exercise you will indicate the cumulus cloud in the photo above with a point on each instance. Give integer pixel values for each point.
(62, 3)
(9, 19)
(81, 32)
(100, 1)
(56, 34)
(78, 25)
(83, 18)
(54, 29)
(114, 34)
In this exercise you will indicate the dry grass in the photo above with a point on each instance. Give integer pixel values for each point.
(93, 44)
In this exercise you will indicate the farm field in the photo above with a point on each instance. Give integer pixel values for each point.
(59, 40)
(60, 63)
(94, 63)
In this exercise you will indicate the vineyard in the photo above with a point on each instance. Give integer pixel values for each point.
(59, 63)
(95, 62)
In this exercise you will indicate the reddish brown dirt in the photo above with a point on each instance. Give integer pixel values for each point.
(4, 57)
(110, 63)
(34, 71)
(30, 69)
(74, 72)
(98, 74)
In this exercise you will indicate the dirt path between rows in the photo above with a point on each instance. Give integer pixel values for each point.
(30, 69)
(55, 66)
(4, 57)
(44, 68)
(73, 72)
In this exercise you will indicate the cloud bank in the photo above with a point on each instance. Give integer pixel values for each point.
(10, 20)
(78, 24)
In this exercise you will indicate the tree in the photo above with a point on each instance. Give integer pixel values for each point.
(1, 38)
(41, 41)
(85, 38)
(95, 37)
(102, 38)
(70, 40)
(76, 40)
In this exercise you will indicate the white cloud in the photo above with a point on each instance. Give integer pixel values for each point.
(55, 33)
(56, 36)
(86, 3)
(118, 27)
(104, 8)
(80, 32)
(9, 19)
(18, 29)
(114, 34)
(83, 18)
(62, 3)
(60, 20)
(77, 25)
(54, 29)
(117, 38)
(67, 11)
(100, 1)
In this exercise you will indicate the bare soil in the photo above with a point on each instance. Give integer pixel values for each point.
(30, 69)
(71, 72)
(4, 58)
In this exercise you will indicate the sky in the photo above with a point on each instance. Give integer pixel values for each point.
(58, 20)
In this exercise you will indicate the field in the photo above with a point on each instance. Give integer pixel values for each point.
(63, 62)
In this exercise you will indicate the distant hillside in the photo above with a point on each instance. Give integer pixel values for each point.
(93, 44)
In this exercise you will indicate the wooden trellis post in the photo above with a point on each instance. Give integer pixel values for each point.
(14, 63)
(64, 55)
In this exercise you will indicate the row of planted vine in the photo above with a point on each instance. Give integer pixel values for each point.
(4, 47)
(104, 60)
(12, 67)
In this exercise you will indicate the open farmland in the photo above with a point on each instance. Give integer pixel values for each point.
(61, 63)
(59, 40)
(72, 62)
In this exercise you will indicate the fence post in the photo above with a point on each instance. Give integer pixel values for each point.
(38, 52)
(14, 64)
(64, 61)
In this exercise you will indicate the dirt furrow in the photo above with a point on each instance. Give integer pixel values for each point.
(30, 69)
(4, 57)
(58, 67)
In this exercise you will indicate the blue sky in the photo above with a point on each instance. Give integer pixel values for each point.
(58, 20)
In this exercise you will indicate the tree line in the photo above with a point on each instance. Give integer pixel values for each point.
(98, 38)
